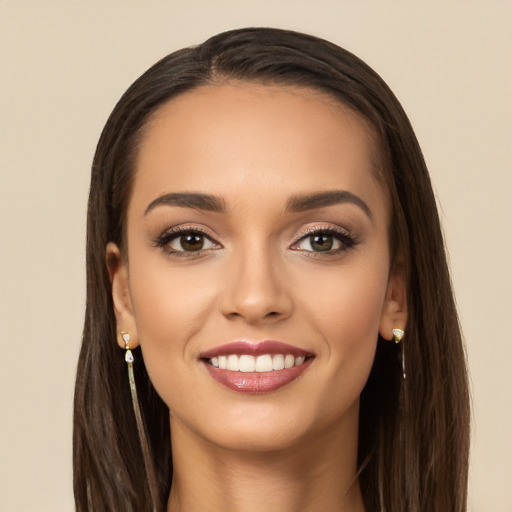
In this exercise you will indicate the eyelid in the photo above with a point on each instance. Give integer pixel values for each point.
(327, 228)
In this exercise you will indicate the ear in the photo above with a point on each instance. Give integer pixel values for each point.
(394, 309)
(125, 319)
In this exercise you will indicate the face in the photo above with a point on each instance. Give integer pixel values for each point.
(257, 235)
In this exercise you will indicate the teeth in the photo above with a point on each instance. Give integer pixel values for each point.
(233, 363)
(247, 363)
(263, 363)
(278, 362)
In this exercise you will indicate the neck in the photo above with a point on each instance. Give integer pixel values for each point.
(319, 473)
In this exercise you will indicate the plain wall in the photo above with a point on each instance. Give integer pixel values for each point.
(63, 66)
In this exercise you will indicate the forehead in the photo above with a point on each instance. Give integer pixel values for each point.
(239, 136)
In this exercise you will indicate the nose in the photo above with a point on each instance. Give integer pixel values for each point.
(256, 289)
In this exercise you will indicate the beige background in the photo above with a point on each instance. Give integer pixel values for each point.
(63, 66)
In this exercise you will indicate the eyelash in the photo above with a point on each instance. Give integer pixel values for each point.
(346, 239)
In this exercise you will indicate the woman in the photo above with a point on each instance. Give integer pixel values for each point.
(261, 227)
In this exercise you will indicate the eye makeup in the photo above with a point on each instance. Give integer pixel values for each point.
(325, 241)
(192, 241)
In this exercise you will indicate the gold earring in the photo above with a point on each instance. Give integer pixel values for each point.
(398, 336)
(128, 357)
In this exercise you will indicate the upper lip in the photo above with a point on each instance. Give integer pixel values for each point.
(255, 349)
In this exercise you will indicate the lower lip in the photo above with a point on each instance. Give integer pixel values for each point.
(256, 383)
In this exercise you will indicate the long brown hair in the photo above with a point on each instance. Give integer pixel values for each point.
(413, 434)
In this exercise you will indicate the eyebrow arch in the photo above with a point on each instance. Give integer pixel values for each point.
(323, 199)
(188, 200)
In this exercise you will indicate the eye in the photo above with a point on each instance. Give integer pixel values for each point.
(319, 242)
(190, 242)
(185, 241)
(327, 241)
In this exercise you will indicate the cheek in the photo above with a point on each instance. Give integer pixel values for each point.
(347, 316)
(350, 301)
(168, 302)
(170, 308)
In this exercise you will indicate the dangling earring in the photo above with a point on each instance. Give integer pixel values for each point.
(128, 357)
(398, 336)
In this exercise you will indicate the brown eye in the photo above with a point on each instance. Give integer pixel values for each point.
(322, 242)
(187, 242)
(191, 242)
(326, 241)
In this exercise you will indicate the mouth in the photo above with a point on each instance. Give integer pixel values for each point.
(256, 368)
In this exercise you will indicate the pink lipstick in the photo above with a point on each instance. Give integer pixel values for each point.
(256, 368)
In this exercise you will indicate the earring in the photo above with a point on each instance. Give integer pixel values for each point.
(398, 336)
(128, 357)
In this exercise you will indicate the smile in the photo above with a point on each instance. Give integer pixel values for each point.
(256, 368)
(265, 363)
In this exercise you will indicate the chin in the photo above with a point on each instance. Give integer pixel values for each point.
(264, 428)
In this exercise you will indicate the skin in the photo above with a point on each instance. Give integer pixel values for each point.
(259, 278)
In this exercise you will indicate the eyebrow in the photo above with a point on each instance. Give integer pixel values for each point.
(188, 200)
(295, 204)
(323, 199)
